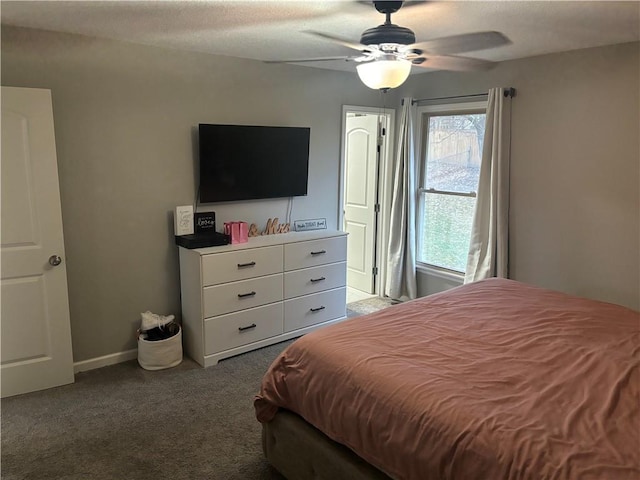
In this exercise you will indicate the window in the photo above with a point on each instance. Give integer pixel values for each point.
(452, 138)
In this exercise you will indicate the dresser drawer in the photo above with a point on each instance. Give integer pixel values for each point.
(241, 264)
(315, 252)
(239, 328)
(316, 308)
(234, 296)
(314, 279)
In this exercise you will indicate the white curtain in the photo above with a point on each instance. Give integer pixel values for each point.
(401, 260)
(489, 246)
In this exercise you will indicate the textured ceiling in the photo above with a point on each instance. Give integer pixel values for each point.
(274, 30)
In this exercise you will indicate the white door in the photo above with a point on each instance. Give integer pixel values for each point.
(34, 327)
(360, 194)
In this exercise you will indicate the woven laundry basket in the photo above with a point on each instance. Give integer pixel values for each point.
(160, 354)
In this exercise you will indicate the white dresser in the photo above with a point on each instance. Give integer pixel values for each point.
(237, 298)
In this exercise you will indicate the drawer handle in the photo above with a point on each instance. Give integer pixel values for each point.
(314, 280)
(243, 265)
(317, 309)
(319, 252)
(245, 295)
(248, 327)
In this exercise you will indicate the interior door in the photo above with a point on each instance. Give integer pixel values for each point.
(35, 328)
(360, 194)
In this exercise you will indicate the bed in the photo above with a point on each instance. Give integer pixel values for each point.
(491, 380)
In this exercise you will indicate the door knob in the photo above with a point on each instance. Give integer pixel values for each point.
(55, 260)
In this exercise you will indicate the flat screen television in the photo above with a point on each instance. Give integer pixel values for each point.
(246, 162)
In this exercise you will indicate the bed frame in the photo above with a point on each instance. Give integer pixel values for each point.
(301, 452)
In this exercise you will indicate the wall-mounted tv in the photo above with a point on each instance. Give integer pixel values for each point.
(245, 162)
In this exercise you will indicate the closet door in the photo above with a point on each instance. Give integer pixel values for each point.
(35, 328)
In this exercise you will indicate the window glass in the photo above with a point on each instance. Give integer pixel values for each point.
(451, 170)
(447, 230)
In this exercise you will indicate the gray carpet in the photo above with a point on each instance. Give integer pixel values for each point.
(123, 422)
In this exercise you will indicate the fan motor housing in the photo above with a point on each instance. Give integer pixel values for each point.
(388, 33)
(387, 7)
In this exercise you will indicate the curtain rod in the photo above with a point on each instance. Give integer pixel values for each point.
(508, 92)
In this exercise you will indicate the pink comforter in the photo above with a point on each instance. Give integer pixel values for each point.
(492, 380)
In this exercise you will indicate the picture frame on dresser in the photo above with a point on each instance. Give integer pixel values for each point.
(240, 297)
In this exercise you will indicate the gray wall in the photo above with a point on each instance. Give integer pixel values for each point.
(124, 117)
(575, 168)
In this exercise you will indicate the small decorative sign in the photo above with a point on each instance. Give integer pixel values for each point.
(313, 224)
(183, 220)
(273, 227)
(253, 230)
(205, 222)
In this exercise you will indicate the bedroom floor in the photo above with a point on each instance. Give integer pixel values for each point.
(122, 421)
(354, 295)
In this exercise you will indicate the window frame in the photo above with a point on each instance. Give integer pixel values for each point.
(424, 113)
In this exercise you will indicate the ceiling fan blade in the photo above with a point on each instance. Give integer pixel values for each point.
(319, 59)
(458, 64)
(342, 41)
(467, 42)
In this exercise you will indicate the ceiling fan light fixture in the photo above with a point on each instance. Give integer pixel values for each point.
(384, 74)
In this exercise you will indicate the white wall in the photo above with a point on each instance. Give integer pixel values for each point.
(125, 118)
(575, 168)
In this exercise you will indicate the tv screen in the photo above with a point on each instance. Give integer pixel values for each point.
(244, 162)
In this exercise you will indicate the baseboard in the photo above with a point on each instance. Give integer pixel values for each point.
(105, 360)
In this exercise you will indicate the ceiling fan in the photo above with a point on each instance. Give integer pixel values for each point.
(387, 52)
